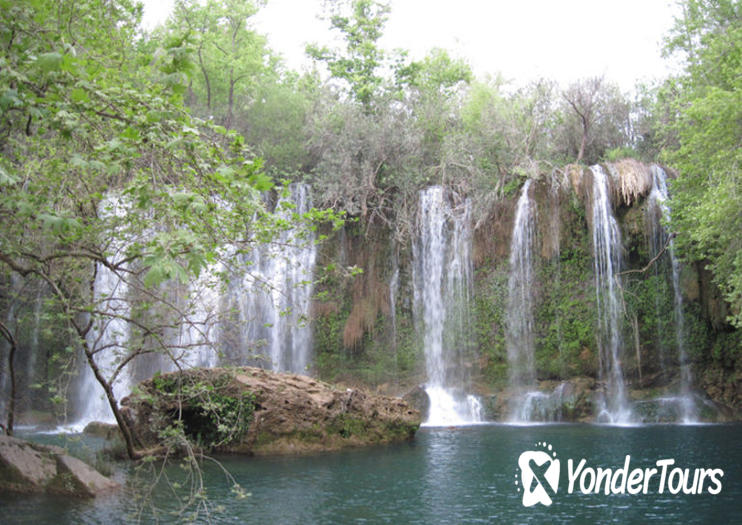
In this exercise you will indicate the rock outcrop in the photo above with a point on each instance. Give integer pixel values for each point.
(253, 411)
(107, 431)
(30, 467)
(569, 401)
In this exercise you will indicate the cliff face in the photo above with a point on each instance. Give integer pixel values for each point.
(367, 329)
(364, 329)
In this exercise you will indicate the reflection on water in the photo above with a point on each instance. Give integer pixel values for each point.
(461, 475)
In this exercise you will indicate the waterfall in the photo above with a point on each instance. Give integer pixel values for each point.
(519, 315)
(393, 292)
(442, 275)
(540, 406)
(660, 210)
(275, 296)
(272, 302)
(33, 349)
(109, 335)
(613, 404)
(193, 345)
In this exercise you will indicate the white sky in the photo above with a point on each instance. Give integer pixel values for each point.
(562, 40)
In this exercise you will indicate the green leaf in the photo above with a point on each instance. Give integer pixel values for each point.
(10, 99)
(261, 182)
(49, 61)
(130, 133)
(6, 179)
(79, 95)
(78, 162)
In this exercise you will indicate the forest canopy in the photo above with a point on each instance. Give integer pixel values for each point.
(108, 132)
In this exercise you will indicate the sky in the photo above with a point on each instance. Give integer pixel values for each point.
(523, 40)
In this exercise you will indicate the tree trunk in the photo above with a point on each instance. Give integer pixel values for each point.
(206, 76)
(108, 388)
(230, 104)
(10, 416)
(583, 142)
(581, 152)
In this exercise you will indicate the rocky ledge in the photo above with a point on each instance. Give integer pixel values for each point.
(30, 467)
(253, 411)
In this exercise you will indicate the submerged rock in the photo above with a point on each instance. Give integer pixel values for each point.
(250, 410)
(30, 467)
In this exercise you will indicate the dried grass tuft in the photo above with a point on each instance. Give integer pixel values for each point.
(370, 298)
(634, 180)
(324, 308)
(574, 173)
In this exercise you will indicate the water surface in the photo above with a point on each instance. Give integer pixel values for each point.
(463, 475)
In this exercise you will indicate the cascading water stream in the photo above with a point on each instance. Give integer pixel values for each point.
(540, 406)
(34, 346)
(273, 304)
(519, 317)
(442, 274)
(275, 296)
(613, 403)
(194, 342)
(109, 334)
(393, 292)
(658, 198)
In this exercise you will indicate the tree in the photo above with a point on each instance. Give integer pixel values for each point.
(361, 23)
(11, 337)
(232, 60)
(275, 124)
(602, 116)
(703, 140)
(502, 137)
(102, 167)
(362, 158)
(432, 89)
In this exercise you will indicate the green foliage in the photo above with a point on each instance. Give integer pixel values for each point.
(380, 357)
(437, 73)
(702, 140)
(727, 350)
(357, 338)
(431, 89)
(230, 61)
(619, 153)
(275, 124)
(160, 160)
(104, 166)
(360, 22)
(597, 117)
(505, 136)
(347, 426)
(209, 414)
(490, 299)
(565, 315)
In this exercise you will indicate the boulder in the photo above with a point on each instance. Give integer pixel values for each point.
(254, 411)
(570, 400)
(418, 399)
(30, 467)
(99, 429)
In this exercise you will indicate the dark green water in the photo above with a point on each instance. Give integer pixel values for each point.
(463, 475)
